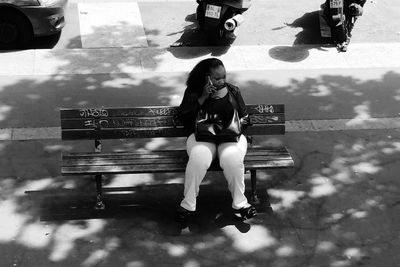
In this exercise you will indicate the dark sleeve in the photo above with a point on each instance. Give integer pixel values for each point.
(187, 111)
(241, 104)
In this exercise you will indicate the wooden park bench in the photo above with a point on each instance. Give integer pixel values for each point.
(152, 122)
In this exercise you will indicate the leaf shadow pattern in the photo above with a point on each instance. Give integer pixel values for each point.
(339, 209)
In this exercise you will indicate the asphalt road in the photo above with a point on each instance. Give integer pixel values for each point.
(266, 23)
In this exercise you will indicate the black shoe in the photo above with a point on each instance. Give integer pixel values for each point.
(182, 214)
(248, 212)
(342, 47)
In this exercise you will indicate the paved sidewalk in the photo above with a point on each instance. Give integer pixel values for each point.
(339, 206)
(144, 60)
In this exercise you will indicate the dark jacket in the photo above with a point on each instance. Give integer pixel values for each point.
(190, 106)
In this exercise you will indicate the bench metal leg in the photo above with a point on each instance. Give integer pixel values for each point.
(254, 198)
(99, 199)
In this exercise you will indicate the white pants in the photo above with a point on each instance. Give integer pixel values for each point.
(201, 154)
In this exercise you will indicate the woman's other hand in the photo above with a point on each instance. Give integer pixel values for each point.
(245, 121)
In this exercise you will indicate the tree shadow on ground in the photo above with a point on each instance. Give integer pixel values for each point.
(309, 38)
(155, 202)
(337, 207)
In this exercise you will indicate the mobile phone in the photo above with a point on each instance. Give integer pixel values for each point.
(209, 80)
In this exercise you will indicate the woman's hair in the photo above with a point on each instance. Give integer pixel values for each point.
(196, 79)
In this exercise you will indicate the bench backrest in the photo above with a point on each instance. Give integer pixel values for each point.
(156, 121)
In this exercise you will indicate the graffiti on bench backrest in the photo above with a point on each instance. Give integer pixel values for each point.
(93, 112)
(265, 109)
(161, 111)
(128, 122)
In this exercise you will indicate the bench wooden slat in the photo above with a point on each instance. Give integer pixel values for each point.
(170, 161)
(142, 161)
(123, 133)
(252, 151)
(166, 121)
(119, 154)
(149, 168)
(267, 118)
(118, 112)
(182, 153)
(265, 108)
(155, 111)
(284, 163)
(119, 122)
(270, 129)
(74, 134)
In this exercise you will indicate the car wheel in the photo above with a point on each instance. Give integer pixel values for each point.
(15, 30)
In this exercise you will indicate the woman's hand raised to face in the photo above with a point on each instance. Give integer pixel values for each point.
(208, 89)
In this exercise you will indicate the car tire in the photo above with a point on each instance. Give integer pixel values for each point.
(15, 30)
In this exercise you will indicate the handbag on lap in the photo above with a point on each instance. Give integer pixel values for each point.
(210, 128)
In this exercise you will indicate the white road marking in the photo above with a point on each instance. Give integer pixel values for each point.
(111, 25)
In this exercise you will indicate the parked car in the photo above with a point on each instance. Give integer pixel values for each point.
(21, 20)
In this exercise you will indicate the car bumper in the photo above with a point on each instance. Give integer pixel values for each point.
(46, 20)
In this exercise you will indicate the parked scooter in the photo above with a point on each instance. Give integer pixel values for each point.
(341, 16)
(220, 18)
